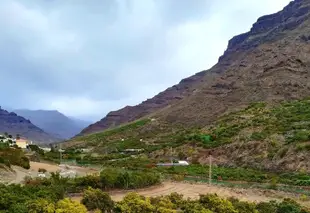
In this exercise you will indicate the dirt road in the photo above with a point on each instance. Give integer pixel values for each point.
(193, 190)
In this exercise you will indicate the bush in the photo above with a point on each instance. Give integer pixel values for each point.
(289, 206)
(267, 207)
(216, 204)
(96, 199)
(42, 170)
(14, 157)
(68, 206)
(243, 207)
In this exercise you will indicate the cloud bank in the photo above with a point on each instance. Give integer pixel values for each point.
(85, 58)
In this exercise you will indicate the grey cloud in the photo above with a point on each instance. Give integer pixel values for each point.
(104, 53)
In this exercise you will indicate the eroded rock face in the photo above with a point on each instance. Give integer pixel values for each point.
(271, 62)
(270, 27)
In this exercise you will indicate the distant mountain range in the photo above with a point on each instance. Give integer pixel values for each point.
(14, 124)
(53, 122)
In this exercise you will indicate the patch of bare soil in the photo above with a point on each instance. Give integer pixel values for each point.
(21, 173)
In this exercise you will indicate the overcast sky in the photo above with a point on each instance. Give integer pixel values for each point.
(87, 57)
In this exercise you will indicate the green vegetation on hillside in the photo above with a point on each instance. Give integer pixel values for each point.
(268, 133)
(97, 138)
(290, 119)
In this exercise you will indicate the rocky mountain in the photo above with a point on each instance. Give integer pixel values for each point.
(254, 103)
(268, 63)
(54, 122)
(131, 113)
(13, 124)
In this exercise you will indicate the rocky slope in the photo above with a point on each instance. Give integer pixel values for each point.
(270, 63)
(163, 99)
(53, 122)
(13, 124)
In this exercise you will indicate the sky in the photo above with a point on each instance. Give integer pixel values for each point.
(86, 58)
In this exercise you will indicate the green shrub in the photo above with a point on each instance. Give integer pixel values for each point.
(96, 199)
(267, 207)
(217, 204)
(258, 136)
(42, 170)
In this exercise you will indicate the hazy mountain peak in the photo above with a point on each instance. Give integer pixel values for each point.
(54, 122)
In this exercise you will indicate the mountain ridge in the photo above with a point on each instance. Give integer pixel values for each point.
(161, 100)
(14, 124)
(271, 65)
(53, 122)
(267, 30)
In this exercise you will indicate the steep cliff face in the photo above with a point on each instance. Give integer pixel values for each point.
(163, 99)
(13, 124)
(269, 63)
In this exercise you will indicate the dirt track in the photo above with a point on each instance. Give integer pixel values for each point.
(189, 190)
(193, 190)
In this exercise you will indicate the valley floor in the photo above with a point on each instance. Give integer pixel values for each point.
(192, 190)
(188, 189)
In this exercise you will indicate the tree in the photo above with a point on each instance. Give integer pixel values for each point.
(68, 206)
(267, 207)
(10, 136)
(217, 204)
(96, 199)
(243, 207)
(18, 136)
(176, 198)
(6, 134)
(165, 206)
(108, 177)
(41, 206)
(134, 203)
(194, 207)
(289, 206)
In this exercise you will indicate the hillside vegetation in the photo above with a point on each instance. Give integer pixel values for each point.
(264, 136)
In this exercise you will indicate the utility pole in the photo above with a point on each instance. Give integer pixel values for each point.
(171, 155)
(59, 153)
(210, 170)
